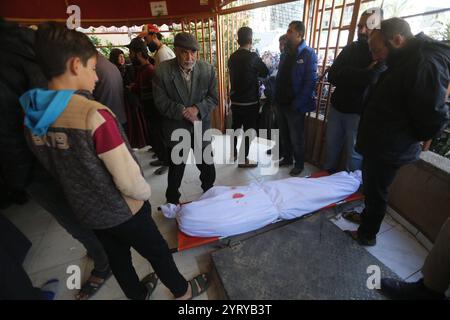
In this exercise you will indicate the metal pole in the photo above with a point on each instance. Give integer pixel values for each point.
(339, 30)
(203, 40)
(324, 65)
(351, 33)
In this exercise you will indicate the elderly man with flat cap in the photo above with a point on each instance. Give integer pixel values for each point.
(185, 93)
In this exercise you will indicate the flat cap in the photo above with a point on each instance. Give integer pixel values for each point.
(186, 40)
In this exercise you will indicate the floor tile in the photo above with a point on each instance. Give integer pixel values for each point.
(344, 224)
(402, 221)
(59, 272)
(31, 255)
(56, 248)
(29, 218)
(399, 251)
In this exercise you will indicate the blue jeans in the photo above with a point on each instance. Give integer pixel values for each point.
(292, 134)
(342, 129)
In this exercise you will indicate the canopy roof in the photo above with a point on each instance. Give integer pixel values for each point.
(103, 12)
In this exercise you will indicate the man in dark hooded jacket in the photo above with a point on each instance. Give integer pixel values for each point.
(352, 72)
(405, 107)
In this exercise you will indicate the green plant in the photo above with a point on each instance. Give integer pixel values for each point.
(394, 8)
(103, 50)
(442, 33)
(441, 145)
(168, 39)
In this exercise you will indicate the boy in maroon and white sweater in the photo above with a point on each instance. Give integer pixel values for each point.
(81, 144)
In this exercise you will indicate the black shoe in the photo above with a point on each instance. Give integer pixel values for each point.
(248, 164)
(401, 290)
(157, 163)
(362, 241)
(295, 172)
(285, 163)
(352, 216)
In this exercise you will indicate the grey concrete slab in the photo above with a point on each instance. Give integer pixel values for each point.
(308, 259)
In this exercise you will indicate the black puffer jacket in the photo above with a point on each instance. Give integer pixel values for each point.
(351, 76)
(408, 103)
(245, 68)
(18, 73)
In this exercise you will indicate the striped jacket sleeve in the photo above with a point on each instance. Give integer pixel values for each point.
(111, 149)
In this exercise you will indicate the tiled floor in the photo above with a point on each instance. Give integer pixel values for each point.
(54, 249)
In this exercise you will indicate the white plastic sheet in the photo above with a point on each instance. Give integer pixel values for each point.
(226, 211)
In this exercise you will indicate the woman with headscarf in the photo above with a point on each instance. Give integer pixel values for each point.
(136, 130)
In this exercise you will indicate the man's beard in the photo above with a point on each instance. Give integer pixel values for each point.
(289, 47)
(393, 54)
(152, 46)
(362, 37)
(188, 65)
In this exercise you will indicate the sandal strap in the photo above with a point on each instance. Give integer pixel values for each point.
(150, 281)
(101, 274)
(150, 278)
(199, 285)
(90, 287)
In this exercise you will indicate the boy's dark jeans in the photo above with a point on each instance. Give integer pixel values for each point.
(141, 233)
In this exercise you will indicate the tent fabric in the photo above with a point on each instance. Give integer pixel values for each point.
(226, 211)
(101, 12)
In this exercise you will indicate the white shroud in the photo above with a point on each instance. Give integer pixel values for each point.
(226, 211)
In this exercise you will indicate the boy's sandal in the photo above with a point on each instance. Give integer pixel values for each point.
(150, 281)
(91, 286)
(161, 170)
(199, 285)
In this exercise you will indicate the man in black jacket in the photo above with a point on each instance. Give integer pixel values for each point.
(245, 68)
(406, 106)
(352, 72)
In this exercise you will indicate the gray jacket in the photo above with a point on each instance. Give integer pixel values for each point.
(109, 88)
(171, 95)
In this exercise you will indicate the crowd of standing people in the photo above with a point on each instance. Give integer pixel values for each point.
(84, 113)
